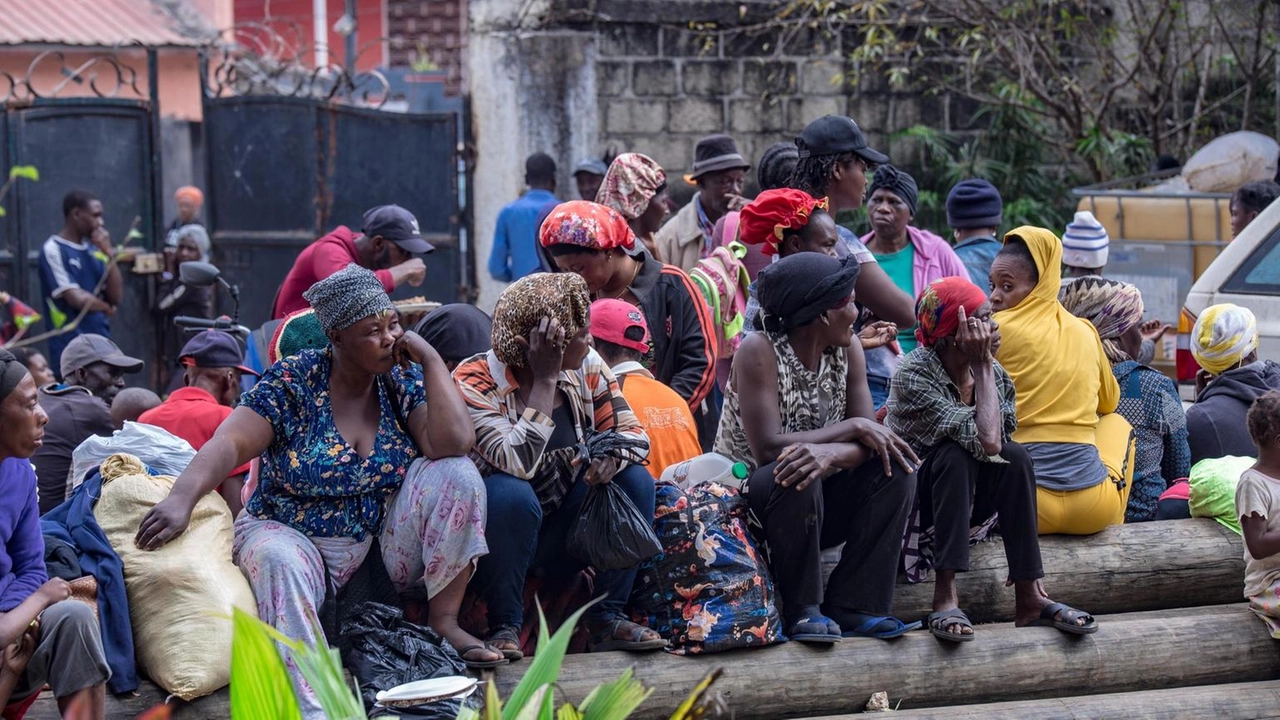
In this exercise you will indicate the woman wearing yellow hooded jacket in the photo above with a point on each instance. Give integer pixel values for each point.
(1066, 393)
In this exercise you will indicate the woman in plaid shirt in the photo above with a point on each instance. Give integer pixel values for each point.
(533, 399)
(954, 403)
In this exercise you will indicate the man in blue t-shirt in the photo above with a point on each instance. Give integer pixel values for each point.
(74, 273)
(515, 239)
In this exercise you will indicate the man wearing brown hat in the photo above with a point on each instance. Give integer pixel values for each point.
(719, 171)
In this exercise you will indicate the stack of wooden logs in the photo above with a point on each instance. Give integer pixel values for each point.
(1175, 640)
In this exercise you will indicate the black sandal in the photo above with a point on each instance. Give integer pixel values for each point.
(941, 620)
(603, 638)
(1049, 618)
(480, 664)
(506, 634)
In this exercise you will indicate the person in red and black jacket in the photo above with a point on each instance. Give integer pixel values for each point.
(595, 242)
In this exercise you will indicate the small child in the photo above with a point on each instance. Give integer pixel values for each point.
(1258, 505)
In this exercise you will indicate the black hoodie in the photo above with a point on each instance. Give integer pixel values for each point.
(1216, 422)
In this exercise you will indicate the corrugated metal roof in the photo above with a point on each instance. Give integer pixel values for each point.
(88, 23)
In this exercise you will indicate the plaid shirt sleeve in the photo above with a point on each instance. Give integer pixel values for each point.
(925, 410)
(610, 410)
(514, 448)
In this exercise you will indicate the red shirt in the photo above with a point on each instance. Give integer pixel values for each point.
(316, 262)
(193, 415)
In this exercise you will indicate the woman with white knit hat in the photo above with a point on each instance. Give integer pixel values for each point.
(1084, 247)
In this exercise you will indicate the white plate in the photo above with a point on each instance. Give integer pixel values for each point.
(424, 691)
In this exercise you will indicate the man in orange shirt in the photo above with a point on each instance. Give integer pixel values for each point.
(622, 340)
(214, 363)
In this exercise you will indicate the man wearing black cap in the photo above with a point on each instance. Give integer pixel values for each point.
(214, 364)
(589, 176)
(386, 244)
(974, 212)
(719, 171)
(515, 237)
(93, 370)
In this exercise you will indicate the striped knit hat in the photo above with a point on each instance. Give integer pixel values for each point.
(1085, 243)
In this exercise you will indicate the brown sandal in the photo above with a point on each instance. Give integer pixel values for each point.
(603, 638)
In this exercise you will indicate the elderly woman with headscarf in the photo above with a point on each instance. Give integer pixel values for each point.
(1148, 399)
(823, 472)
(956, 406)
(175, 297)
(1224, 342)
(636, 186)
(911, 257)
(1067, 395)
(46, 638)
(534, 398)
(360, 441)
(595, 242)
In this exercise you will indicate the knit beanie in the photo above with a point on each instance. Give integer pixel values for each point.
(1085, 243)
(974, 203)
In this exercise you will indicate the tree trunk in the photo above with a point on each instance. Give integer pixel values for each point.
(1004, 663)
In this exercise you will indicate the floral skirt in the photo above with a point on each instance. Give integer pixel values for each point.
(1267, 607)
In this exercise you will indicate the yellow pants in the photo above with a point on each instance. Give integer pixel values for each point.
(1087, 511)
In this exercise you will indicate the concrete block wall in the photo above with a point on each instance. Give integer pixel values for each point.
(660, 88)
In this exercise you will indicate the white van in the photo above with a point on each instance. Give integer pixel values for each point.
(1246, 273)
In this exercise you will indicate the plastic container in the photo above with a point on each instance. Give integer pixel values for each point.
(710, 467)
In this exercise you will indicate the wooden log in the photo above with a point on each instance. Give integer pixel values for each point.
(1125, 568)
(1236, 701)
(1002, 664)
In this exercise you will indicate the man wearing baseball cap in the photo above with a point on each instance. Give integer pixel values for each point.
(386, 244)
(622, 338)
(93, 370)
(588, 175)
(214, 364)
(719, 171)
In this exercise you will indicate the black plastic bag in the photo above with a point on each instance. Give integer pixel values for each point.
(384, 650)
(610, 533)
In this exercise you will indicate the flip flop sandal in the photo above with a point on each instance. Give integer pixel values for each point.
(866, 628)
(1048, 618)
(506, 634)
(480, 664)
(941, 620)
(817, 630)
(604, 639)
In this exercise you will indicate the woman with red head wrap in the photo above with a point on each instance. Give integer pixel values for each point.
(784, 221)
(595, 241)
(954, 403)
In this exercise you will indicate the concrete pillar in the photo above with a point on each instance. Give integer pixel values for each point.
(531, 90)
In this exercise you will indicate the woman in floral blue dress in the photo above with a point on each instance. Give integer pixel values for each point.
(349, 452)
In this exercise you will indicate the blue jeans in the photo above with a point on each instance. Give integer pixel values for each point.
(522, 538)
(879, 391)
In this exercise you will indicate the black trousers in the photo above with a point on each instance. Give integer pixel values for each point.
(863, 508)
(955, 488)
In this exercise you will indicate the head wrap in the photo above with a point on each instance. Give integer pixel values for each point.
(589, 225)
(766, 220)
(1224, 335)
(797, 289)
(561, 296)
(196, 233)
(457, 331)
(899, 183)
(347, 296)
(190, 193)
(631, 182)
(1113, 307)
(299, 331)
(938, 308)
(11, 373)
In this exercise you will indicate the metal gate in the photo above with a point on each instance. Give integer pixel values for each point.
(104, 145)
(286, 167)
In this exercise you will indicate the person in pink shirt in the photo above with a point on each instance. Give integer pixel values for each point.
(386, 244)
